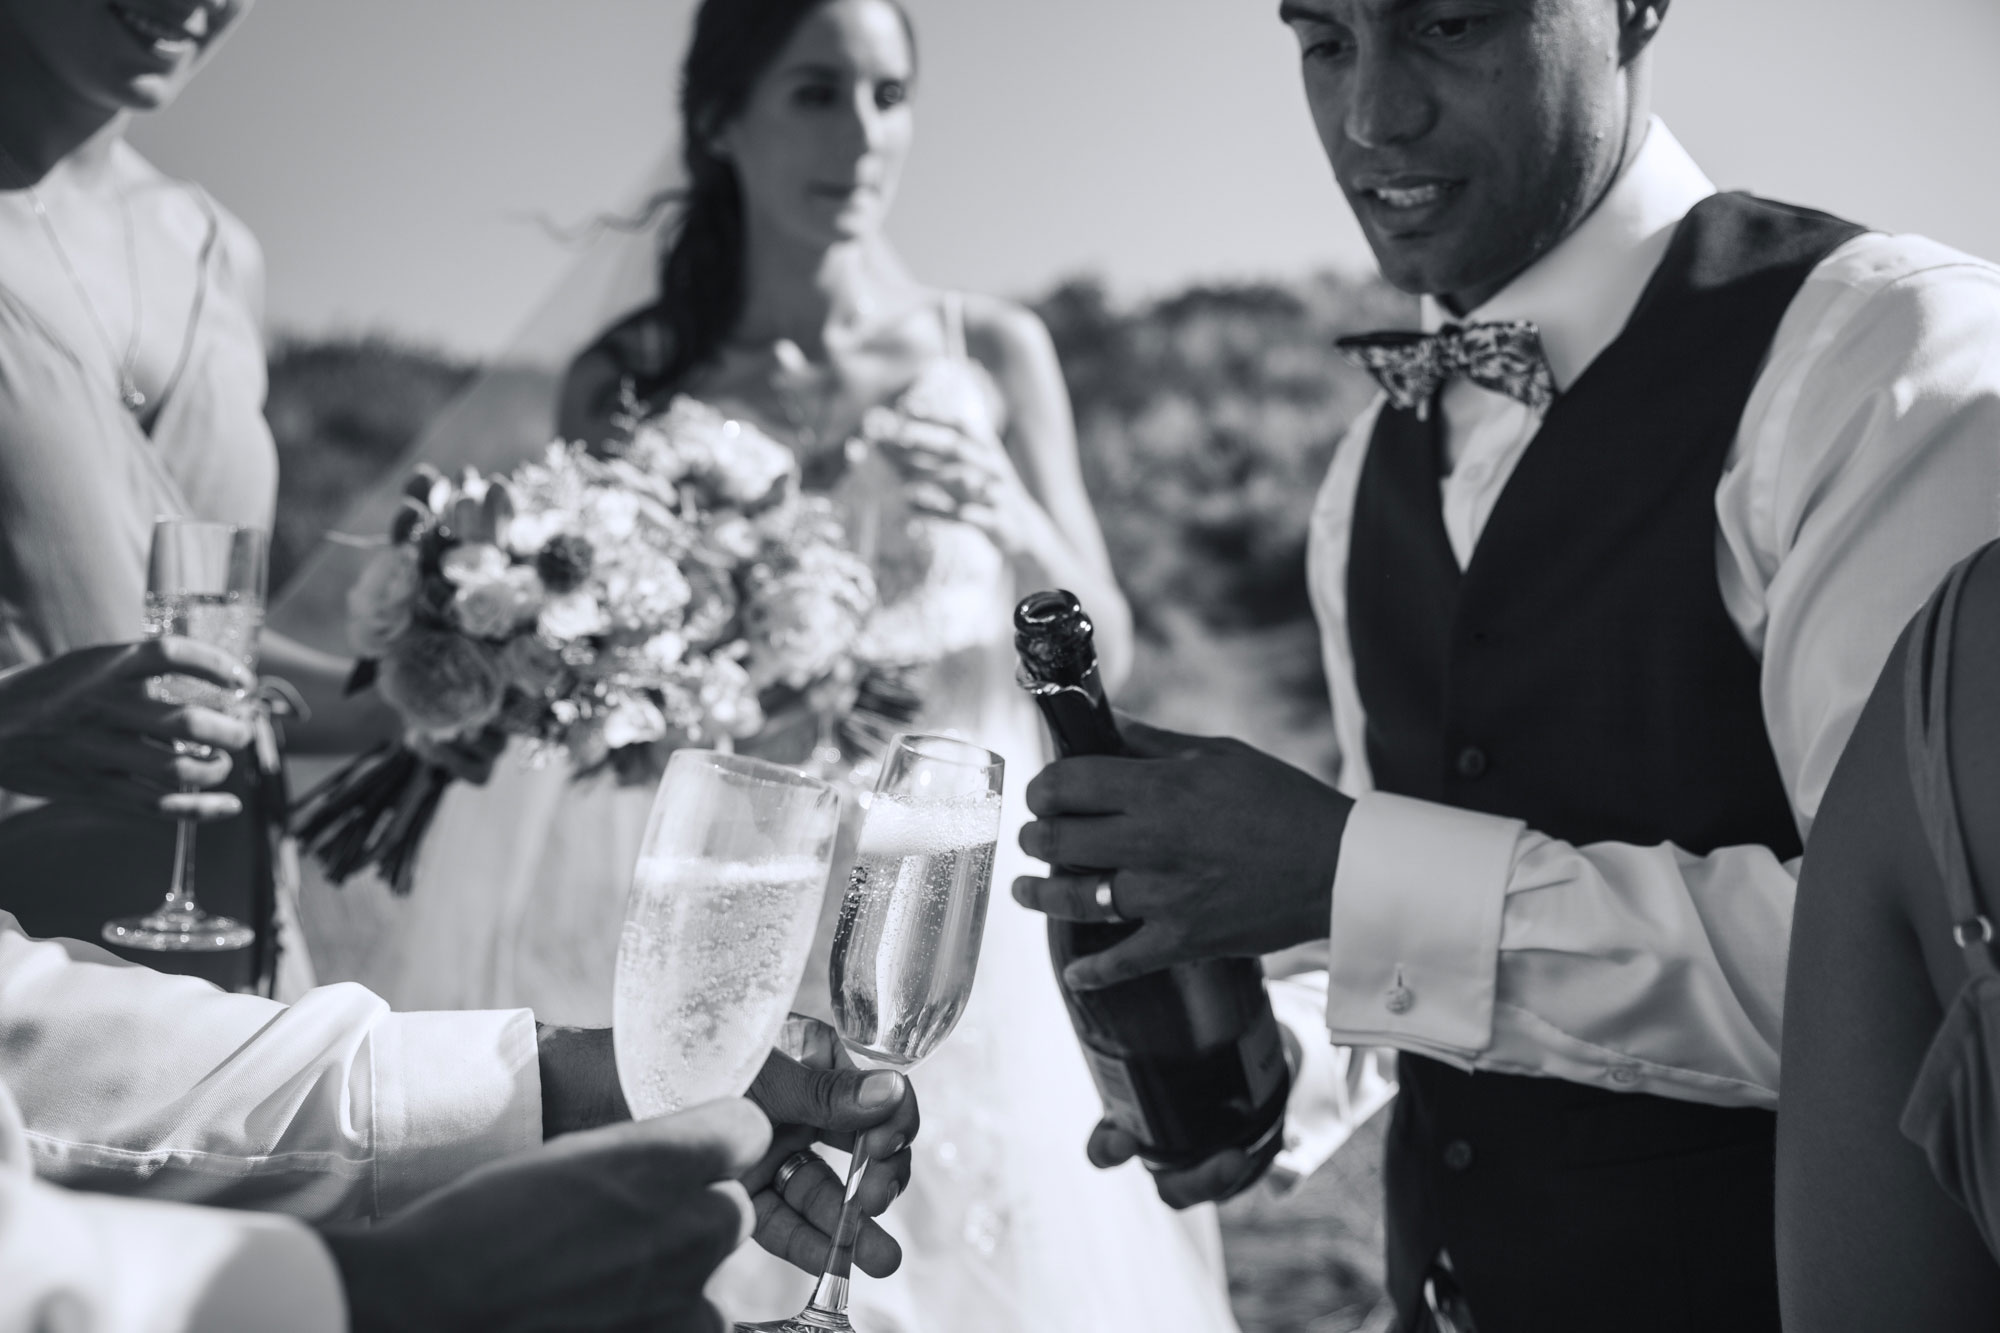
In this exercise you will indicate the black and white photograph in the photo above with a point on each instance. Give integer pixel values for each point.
(1063, 666)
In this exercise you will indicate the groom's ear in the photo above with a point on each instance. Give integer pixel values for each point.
(1638, 24)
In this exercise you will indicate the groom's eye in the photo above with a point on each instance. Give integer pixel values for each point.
(1455, 28)
(891, 94)
(1318, 42)
(814, 95)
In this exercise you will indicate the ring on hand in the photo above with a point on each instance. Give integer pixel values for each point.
(791, 1167)
(1105, 901)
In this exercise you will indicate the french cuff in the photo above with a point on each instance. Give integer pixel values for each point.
(1415, 939)
(1335, 1089)
(453, 1091)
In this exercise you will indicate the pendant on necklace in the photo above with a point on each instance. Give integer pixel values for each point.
(132, 397)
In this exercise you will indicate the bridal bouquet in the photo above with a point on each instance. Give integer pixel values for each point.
(605, 608)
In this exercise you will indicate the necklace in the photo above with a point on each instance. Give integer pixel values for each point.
(129, 392)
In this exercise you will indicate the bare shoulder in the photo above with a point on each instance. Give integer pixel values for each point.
(240, 249)
(1866, 851)
(186, 212)
(1006, 336)
(1859, 1216)
(1871, 865)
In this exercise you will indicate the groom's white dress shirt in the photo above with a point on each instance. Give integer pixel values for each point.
(80, 1261)
(1866, 463)
(130, 1081)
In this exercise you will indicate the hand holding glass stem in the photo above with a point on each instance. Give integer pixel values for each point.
(906, 949)
(205, 581)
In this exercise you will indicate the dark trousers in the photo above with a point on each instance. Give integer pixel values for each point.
(1565, 1207)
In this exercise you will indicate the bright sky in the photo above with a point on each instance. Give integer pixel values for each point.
(388, 152)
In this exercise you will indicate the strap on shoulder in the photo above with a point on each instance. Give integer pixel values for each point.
(211, 247)
(1927, 674)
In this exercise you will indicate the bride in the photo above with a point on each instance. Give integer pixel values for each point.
(941, 425)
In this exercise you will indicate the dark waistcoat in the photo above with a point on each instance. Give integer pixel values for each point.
(1582, 674)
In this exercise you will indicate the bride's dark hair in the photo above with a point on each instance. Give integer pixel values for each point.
(701, 272)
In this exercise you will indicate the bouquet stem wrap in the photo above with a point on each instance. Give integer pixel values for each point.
(372, 814)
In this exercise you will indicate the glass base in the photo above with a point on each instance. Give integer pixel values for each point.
(808, 1322)
(815, 1318)
(177, 930)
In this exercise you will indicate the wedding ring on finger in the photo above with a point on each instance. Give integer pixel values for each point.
(1105, 902)
(791, 1166)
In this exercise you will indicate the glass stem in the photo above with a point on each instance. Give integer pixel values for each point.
(830, 1297)
(180, 889)
(826, 756)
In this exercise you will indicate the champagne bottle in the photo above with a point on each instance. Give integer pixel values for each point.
(1189, 1061)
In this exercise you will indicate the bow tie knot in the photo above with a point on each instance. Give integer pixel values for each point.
(1411, 367)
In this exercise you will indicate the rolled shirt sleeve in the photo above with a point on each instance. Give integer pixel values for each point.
(134, 1082)
(1868, 462)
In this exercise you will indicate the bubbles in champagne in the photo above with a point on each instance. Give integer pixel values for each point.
(707, 965)
(900, 826)
(910, 927)
(228, 621)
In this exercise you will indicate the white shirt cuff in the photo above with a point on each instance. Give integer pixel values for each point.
(1415, 939)
(453, 1091)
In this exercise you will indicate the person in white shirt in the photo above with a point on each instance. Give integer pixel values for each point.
(617, 1228)
(412, 1140)
(1604, 580)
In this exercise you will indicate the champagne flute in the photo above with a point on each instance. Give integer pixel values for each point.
(907, 944)
(204, 581)
(724, 903)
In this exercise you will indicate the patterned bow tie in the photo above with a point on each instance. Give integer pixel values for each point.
(1412, 367)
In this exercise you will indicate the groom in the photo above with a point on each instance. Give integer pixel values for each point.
(1603, 580)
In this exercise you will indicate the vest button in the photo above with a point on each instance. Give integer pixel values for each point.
(1472, 762)
(1457, 1155)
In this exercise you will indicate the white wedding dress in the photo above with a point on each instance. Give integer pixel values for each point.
(1006, 1228)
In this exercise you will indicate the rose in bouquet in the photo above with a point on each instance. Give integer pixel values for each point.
(605, 608)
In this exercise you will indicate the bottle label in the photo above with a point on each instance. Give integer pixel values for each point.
(1121, 1098)
(1263, 1052)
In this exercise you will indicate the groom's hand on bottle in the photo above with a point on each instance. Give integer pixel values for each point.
(1214, 849)
(619, 1228)
(813, 1094)
(1223, 1176)
(82, 728)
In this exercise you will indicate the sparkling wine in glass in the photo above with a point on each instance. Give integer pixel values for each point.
(907, 946)
(204, 581)
(720, 920)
